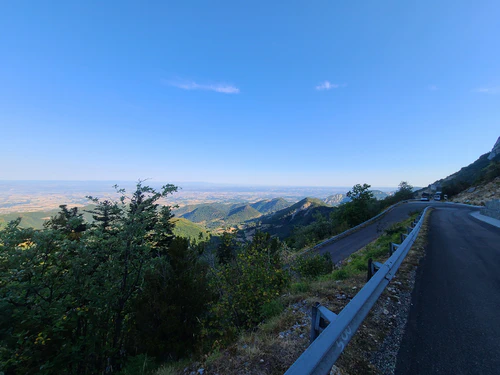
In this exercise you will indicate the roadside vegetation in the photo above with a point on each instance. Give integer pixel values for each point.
(282, 336)
(123, 294)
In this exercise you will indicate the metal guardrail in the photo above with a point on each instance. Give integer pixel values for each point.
(330, 340)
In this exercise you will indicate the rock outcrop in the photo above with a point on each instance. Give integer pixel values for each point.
(479, 195)
(336, 199)
(495, 151)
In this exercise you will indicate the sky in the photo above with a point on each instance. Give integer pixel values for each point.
(299, 93)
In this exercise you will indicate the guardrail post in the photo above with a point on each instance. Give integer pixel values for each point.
(392, 246)
(409, 229)
(370, 270)
(315, 316)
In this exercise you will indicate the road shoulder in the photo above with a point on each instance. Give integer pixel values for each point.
(485, 219)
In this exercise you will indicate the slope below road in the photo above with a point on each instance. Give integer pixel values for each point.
(454, 325)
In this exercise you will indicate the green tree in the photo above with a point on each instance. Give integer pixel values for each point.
(404, 192)
(137, 244)
(360, 193)
(173, 303)
(226, 249)
(68, 221)
(362, 206)
(70, 305)
(106, 214)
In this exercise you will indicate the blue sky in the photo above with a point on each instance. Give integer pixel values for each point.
(327, 93)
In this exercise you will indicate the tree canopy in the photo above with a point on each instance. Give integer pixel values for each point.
(86, 298)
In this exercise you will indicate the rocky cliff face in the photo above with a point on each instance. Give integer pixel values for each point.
(495, 151)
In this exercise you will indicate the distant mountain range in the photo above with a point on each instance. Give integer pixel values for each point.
(269, 211)
(276, 216)
(219, 214)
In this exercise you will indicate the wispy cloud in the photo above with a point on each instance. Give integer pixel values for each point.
(217, 87)
(327, 85)
(433, 87)
(488, 90)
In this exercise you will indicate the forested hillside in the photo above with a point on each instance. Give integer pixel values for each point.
(204, 214)
(302, 213)
(123, 293)
(268, 206)
(188, 229)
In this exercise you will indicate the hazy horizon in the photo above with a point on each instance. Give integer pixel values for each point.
(29, 196)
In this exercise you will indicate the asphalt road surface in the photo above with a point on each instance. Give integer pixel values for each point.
(344, 247)
(454, 321)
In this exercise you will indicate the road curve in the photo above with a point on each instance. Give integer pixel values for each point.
(344, 247)
(454, 321)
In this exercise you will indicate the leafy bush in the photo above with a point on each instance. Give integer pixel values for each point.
(138, 365)
(300, 287)
(311, 266)
(340, 274)
(310, 234)
(360, 264)
(254, 279)
(393, 229)
(271, 309)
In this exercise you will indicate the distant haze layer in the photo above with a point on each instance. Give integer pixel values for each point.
(26, 196)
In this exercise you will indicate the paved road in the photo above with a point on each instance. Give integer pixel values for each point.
(344, 247)
(454, 321)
